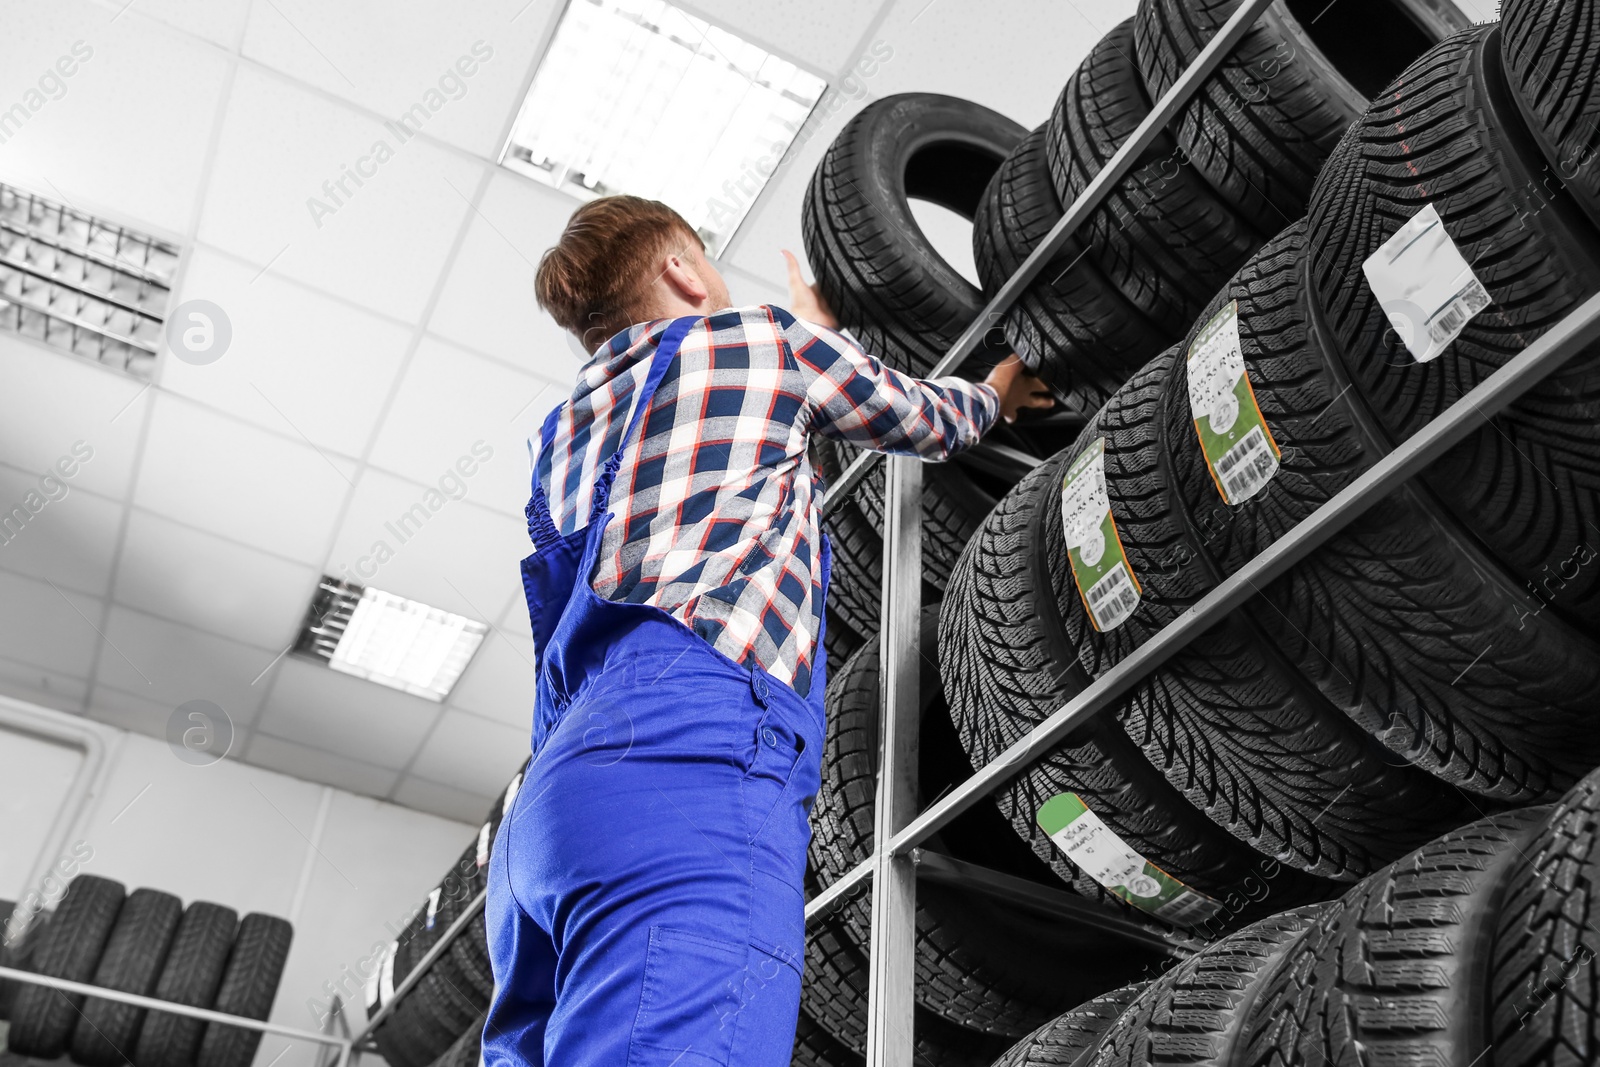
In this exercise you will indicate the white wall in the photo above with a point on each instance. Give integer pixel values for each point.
(338, 865)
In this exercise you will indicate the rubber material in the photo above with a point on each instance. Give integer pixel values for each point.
(1061, 1041)
(1449, 135)
(1400, 966)
(1196, 1011)
(191, 974)
(1163, 237)
(106, 1030)
(881, 277)
(981, 964)
(1071, 326)
(1007, 664)
(42, 1020)
(249, 985)
(1543, 1010)
(1552, 54)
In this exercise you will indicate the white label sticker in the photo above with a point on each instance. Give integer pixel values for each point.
(511, 794)
(433, 905)
(1247, 466)
(1216, 363)
(1084, 501)
(384, 986)
(1425, 285)
(1113, 598)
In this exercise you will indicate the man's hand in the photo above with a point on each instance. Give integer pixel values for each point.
(805, 301)
(1017, 388)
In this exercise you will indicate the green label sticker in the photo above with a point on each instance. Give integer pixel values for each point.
(1234, 438)
(1096, 850)
(1106, 583)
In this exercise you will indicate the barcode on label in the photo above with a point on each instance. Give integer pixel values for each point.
(1112, 599)
(1246, 467)
(1447, 322)
(1186, 907)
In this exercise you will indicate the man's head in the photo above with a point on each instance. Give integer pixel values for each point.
(622, 260)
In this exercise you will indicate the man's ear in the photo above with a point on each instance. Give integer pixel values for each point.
(681, 276)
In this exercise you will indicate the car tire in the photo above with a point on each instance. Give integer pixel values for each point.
(249, 986)
(106, 1030)
(42, 1019)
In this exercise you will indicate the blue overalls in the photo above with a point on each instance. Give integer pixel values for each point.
(645, 903)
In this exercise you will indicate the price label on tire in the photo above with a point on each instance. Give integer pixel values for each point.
(1237, 444)
(1425, 285)
(1100, 853)
(1106, 582)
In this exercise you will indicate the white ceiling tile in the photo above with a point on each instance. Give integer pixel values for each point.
(821, 34)
(37, 685)
(48, 626)
(212, 584)
(394, 56)
(450, 399)
(317, 706)
(300, 362)
(442, 800)
(232, 479)
(53, 401)
(460, 557)
(500, 682)
(316, 765)
(386, 240)
(141, 713)
(180, 664)
(71, 537)
(487, 301)
(218, 21)
(466, 752)
(126, 134)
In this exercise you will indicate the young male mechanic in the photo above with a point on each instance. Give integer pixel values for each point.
(645, 903)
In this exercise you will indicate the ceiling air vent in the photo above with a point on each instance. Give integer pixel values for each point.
(388, 639)
(81, 283)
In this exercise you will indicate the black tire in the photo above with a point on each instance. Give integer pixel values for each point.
(1402, 620)
(1528, 485)
(1261, 126)
(1071, 326)
(1551, 49)
(466, 1050)
(191, 975)
(1400, 967)
(1062, 1040)
(105, 1032)
(815, 1047)
(953, 506)
(980, 964)
(883, 279)
(1545, 977)
(1196, 1011)
(1231, 720)
(1008, 663)
(1163, 237)
(249, 984)
(42, 1019)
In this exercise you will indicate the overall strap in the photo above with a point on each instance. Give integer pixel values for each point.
(541, 524)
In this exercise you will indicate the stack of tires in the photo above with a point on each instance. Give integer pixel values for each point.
(1435, 661)
(1477, 948)
(439, 1020)
(147, 942)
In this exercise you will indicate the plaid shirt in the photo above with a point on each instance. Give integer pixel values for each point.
(716, 504)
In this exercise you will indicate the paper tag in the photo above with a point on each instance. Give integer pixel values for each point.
(383, 987)
(1425, 285)
(433, 905)
(483, 845)
(1234, 438)
(1096, 849)
(1106, 583)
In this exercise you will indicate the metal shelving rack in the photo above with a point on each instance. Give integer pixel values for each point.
(899, 857)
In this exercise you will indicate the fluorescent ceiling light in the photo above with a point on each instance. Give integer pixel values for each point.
(388, 639)
(637, 96)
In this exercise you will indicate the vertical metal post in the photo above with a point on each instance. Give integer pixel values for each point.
(894, 883)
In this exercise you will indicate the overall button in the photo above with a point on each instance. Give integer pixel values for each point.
(769, 737)
(762, 689)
